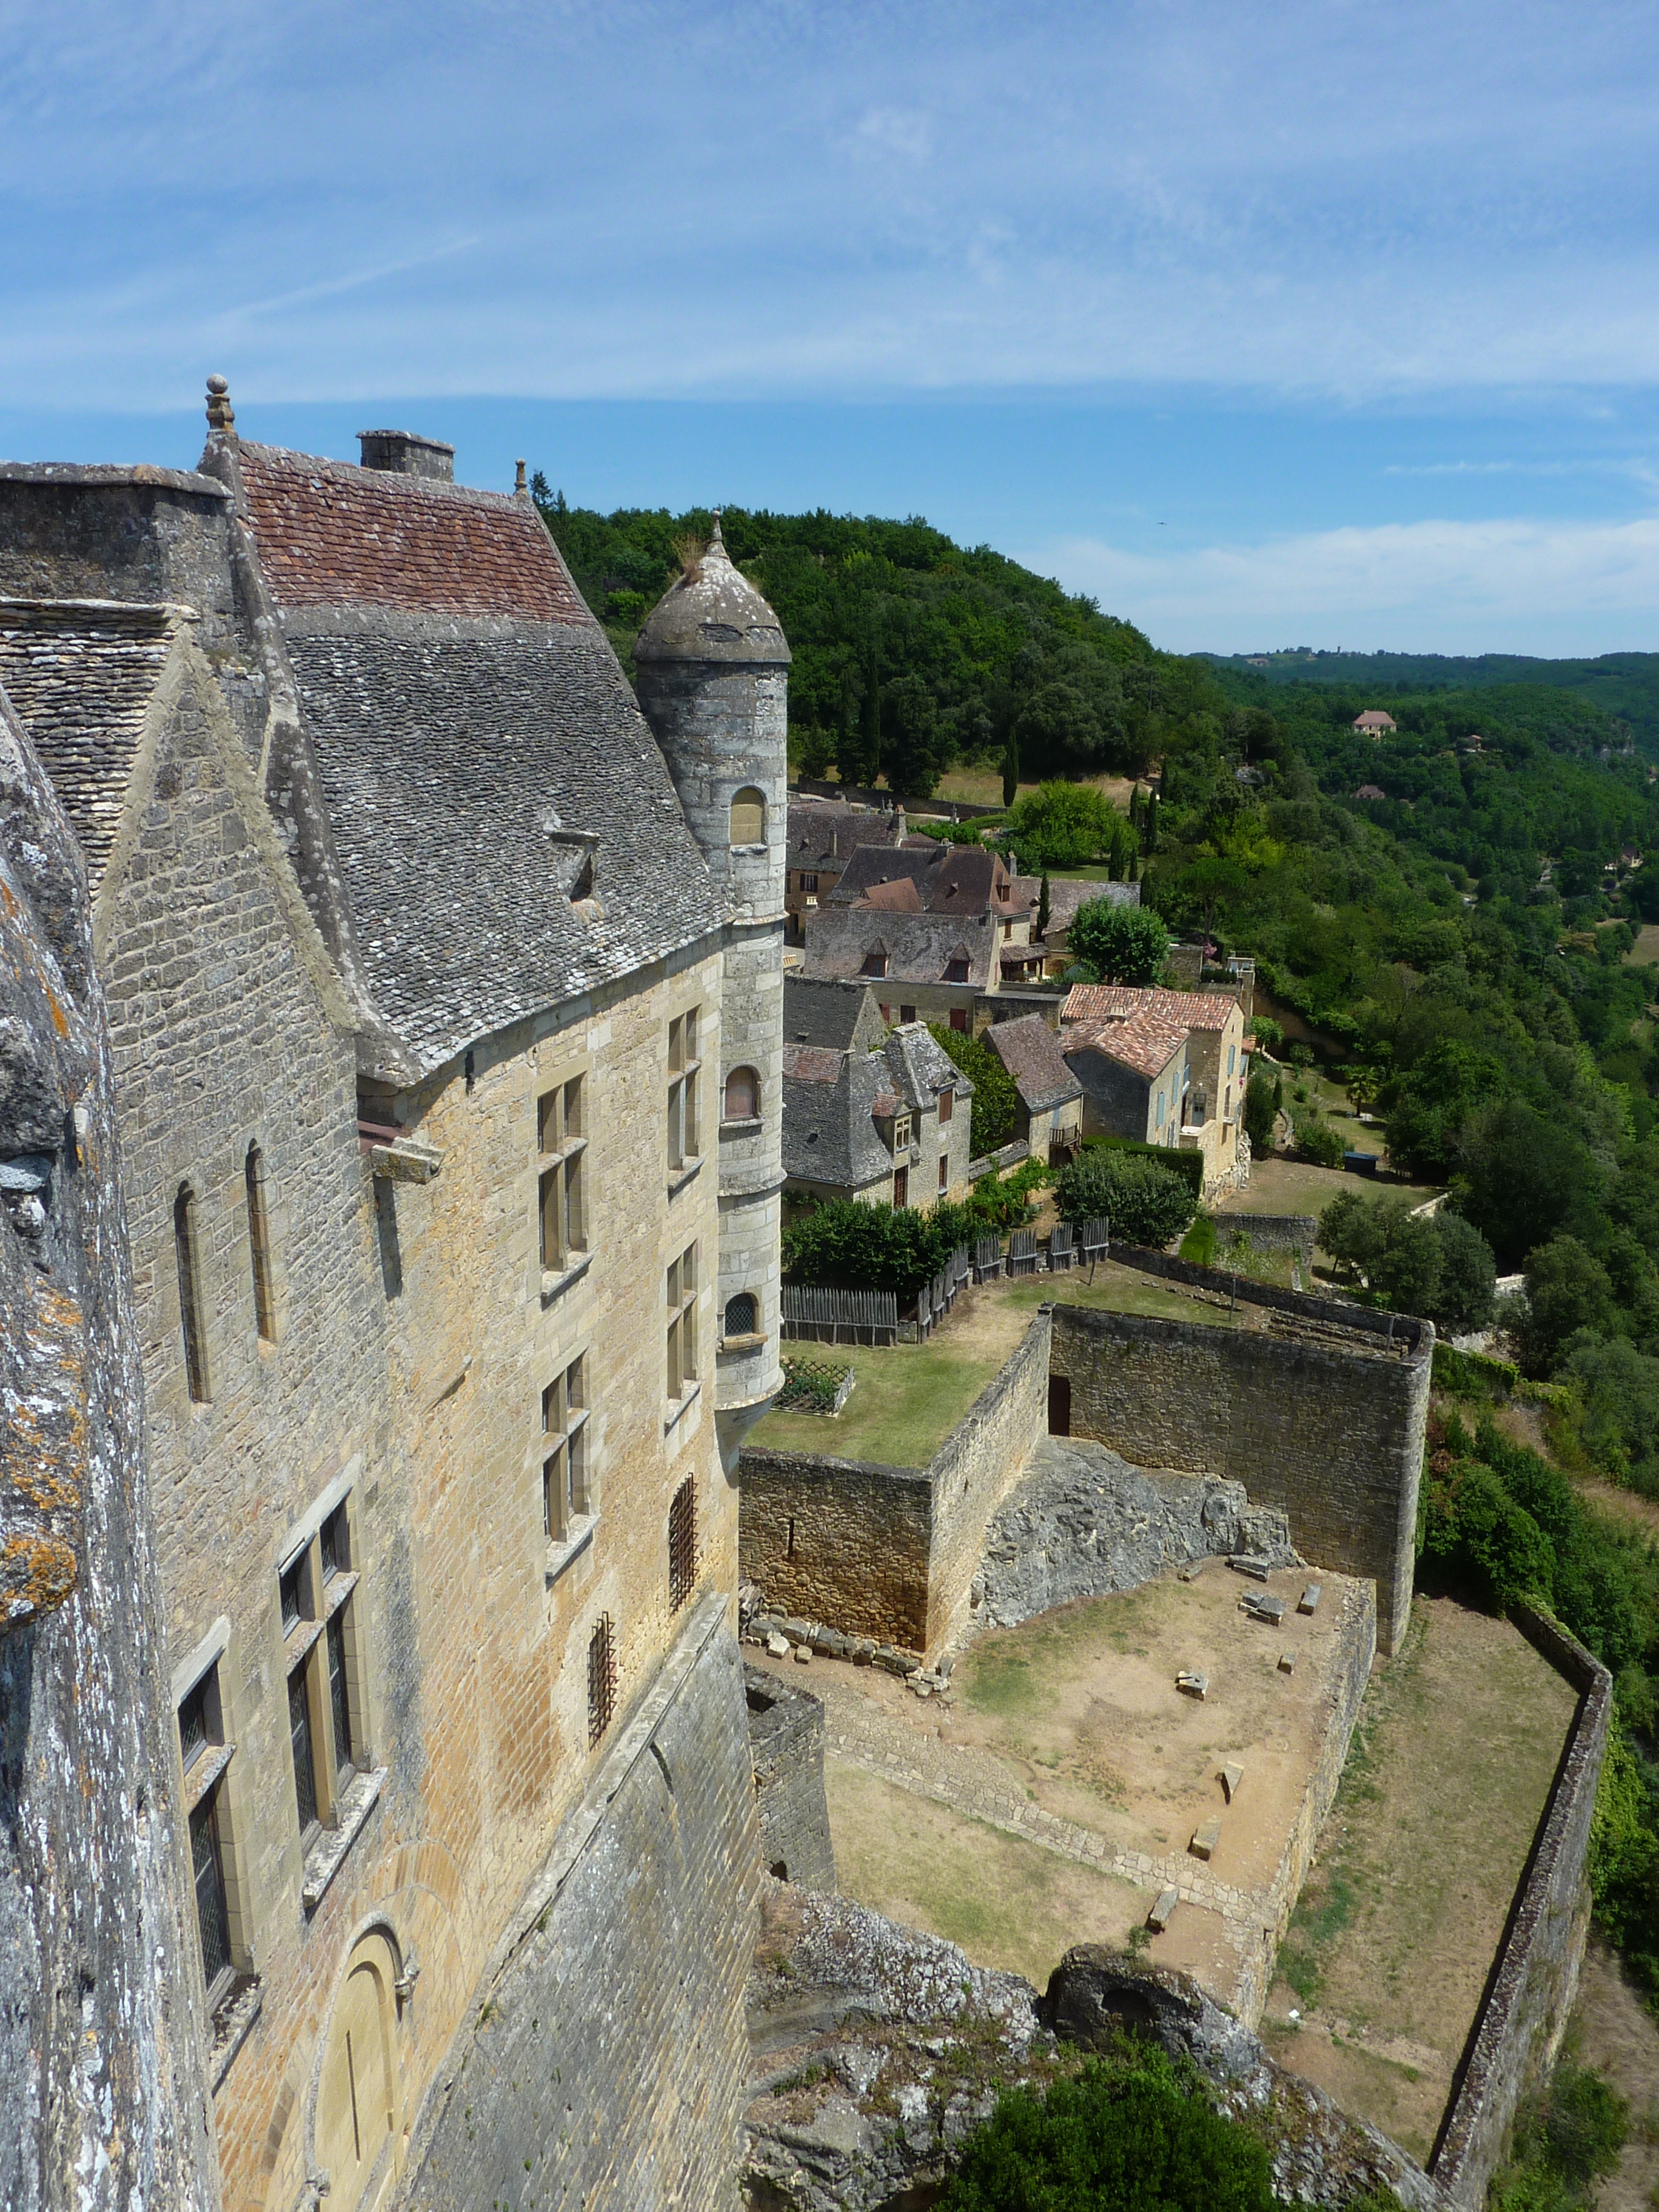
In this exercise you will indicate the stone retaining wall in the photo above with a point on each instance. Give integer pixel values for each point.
(888, 1551)
(1295, 1233)
(1330, 1432)
(786, 1747)
(1534, 1975)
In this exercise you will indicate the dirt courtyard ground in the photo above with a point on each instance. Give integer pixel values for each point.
(1388, 1954)
(1067, 1737)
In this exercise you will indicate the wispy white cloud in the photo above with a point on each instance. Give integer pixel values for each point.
(1430, 586)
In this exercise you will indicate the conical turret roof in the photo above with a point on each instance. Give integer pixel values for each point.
(712, 613)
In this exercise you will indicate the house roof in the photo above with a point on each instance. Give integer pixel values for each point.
(900, 897)
(831, 1101)
(919, 946)
(1374, 719)
(329, 533)
(1030, 1052)
(81, 674)
(959, 880)
(822, 1012)
(712, 612)
(1119, 1002)
(1370, 791)
(1147, 1044)
(920, 1066)
(811, 1063)
(824, 834)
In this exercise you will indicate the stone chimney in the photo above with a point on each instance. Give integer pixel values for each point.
(401, 454)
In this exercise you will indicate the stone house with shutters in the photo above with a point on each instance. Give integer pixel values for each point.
(446, 990)
(823, 836)
(1049, 1112)
(890, 1126)
(1111, 1034)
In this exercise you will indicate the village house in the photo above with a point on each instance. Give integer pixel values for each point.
(1120, 1044)
(1374, 723)
(1049, 1118)
(823, 837)
(1065, 895)
(446, 991)
(890, 1126)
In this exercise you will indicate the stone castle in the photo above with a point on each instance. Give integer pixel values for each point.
(444, 1007)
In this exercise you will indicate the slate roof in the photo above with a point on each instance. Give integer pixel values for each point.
(1106, 1002)
(332, 534)
(1030, 1052)
(1066, 894)
(922, 1067)
(824, 834)
(81, 674)
(816, 1012)
(958, 879)
(712, 612)
(829, 1135)
(918, 945)
(1147, 1044)
(447, 764)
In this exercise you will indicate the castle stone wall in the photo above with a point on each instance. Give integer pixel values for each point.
(786, 1745)
(605, 2060)
(840, 1540)
(973, 1470)
(1535, 1977)
(1332, 1436)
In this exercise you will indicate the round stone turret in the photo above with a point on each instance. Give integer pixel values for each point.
(713, 679)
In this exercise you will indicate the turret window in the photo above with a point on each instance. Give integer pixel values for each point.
(191, 1315)
(742, 1101)
(749, 817)
(741, 1317)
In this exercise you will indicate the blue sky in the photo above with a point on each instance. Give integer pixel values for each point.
(1326, 324)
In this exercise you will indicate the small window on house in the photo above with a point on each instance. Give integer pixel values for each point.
(742, 1094)
(565, 1494)
(682, 1544)
(959, 1017)
(683, 1073)
(561, 1194)
(944, 1172)
(601, 1677)
(809, 882)
(956, 969)
(875, 961)
(901, 1132)
(682, 1322)
(749, 817)
(947, 1105)
(741, 1319)
(907, 1013)
(191, 1317)
(317, 1597)
(259, 1244)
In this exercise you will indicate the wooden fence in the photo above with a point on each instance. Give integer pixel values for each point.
(821, 1315)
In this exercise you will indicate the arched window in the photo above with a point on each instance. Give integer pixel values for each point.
(749, 817)
(742, 1094)
(741, 1319)
(259, 1244)
(190, 1297)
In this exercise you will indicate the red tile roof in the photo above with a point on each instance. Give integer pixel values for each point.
(1109, 1002)
(330, 534)
(811, 1063)
(900, 897)
(1146, 1044)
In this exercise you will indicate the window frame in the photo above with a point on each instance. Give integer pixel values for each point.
(682, 1288)
(684, 1133)
(742, 1336)
(193, 1318)
(562, 1199)
(261, 1267)
(565, 1452)
(748, 796)
(732, 1075)
(323, 1657)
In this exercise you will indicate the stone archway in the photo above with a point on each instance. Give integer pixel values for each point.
(359, 2103)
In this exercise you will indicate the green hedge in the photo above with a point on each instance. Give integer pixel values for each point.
(1190, 1164)
(844, 1241)
(1472, 1374)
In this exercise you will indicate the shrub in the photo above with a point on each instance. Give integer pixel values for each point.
(1565, 2140)
(1113, 2140)
(1061, 825)
(1267, 1032)
(809, 1385)
(1261, 1110)
(1300, 1055)
(1198, 1245)
(873, 1248)
(1125, 944)
(1472, 1374)
(1190, 1164)
(1146, 1204)
(1477, 1541)
(1317, 1141)
(995, 1102)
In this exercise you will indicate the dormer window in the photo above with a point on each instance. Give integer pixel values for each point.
(875, 960)
(956, 968)
(902, 1133)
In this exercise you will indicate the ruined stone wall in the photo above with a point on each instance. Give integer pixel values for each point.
(102, 2093)
(604, 2062)
(840, 1540)
(1271, 1232)
(973, 1470)
(1530, 1992)
(1332, 1436)
(786, 1746)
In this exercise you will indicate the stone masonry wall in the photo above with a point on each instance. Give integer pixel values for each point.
(604, 2061)
(1332, 1436)
(786, 1746)
(1535, 1976)
(840, 1540)
(973, 1471)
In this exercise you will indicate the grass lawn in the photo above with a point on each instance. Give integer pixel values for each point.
(1388, 1950)
(906, 1402)
(1114, 1289)
(1282, 1186)
(1646, 947)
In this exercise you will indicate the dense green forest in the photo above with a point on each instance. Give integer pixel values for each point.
(1626, 684)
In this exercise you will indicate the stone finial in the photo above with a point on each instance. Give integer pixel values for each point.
(714, 538)
(522, 489)
(220, 413)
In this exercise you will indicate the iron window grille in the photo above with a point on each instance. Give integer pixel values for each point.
(601, 1679)
(682, 1544)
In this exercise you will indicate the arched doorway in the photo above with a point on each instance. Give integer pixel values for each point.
(357, 2095)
